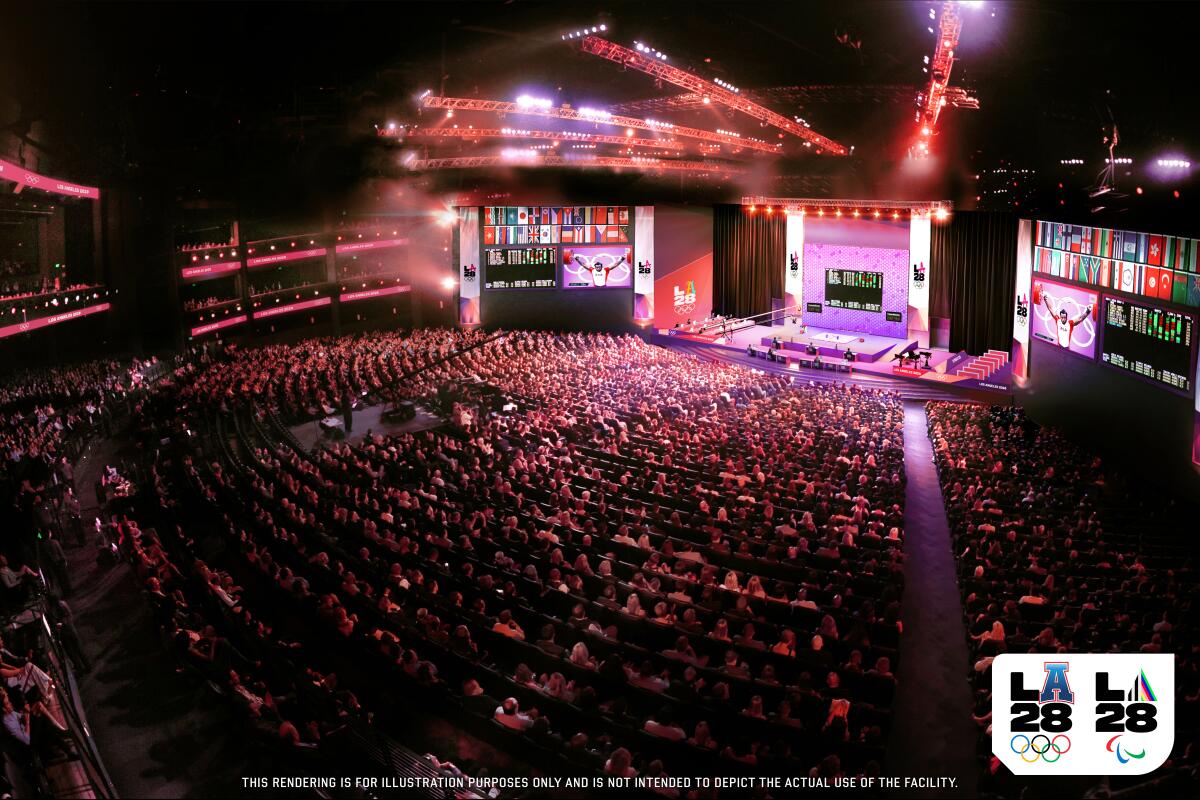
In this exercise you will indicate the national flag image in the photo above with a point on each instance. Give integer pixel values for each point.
(1106, 272)
(1179, 287)
(1128, 277)
(1193, 289)
(522, 215)
(1143, 247)
(489, 234)
(1076, 239)
(510, 215)
(1129, 246)
(1058, 237)
(1166, 283)
(1154, 251)
(1148, 283)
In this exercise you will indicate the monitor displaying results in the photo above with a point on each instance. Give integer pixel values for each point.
(1149, 341)
(854, 289)
(520, 268)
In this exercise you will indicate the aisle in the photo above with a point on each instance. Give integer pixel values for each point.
(932, 730)
(159, 733)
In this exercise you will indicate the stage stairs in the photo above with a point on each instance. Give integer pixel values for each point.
(984, 365)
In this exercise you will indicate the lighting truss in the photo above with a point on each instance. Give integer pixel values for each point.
(938, 93)
(581, 162)
(798, 203)
(824, 94)
(693, 83)
(517, 133)
(505, 107)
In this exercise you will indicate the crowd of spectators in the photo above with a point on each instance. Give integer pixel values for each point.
(1057, 554)
(612, 553)
(201, 303)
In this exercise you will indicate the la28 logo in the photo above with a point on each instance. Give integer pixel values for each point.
(1083, 714)
(1022, 309)
(469, 272)
(918, 275)
(794, 264)
(644, 268)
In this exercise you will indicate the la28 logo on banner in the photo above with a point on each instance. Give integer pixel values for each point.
(794, 264)
(1022, 310)
(643, 268)
(469, 271)
(1090, 714)
(918, 276)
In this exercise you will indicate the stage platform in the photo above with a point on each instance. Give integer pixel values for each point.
(873, 355)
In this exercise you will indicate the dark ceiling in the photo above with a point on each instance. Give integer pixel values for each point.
(224, 99)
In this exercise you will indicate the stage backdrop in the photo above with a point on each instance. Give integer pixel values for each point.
(748, 250)
(683, 274)
(972, 261)
(867, 252)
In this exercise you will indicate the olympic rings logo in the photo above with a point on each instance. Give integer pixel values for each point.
(1031, 745)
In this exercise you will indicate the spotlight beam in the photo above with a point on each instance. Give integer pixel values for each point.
(504, 107)
(693, 83)
(558, 136)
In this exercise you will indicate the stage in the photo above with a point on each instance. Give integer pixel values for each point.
(873, 354)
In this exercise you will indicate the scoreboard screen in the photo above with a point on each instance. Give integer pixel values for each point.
(520, 268)
(853, 289)
(1152, 342)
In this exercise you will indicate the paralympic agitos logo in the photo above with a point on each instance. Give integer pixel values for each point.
(1092, 714)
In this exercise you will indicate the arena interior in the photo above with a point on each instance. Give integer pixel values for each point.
(526, 399)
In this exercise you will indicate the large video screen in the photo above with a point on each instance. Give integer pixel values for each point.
(520, 268)
(597, 267)
(854, 289)
(1065, 316)
(1152, 342)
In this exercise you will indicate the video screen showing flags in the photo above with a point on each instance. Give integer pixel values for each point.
(1164, 268)
(523, 245)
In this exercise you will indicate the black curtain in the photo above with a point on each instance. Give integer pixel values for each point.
(749, 252)
(973, 261)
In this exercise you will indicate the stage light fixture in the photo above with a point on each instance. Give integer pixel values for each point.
(856, 213)
(941, 214)
(839, 212)
(895, 215)
(770, 210)
(820, 212)
(877, 213)
(1139, 190)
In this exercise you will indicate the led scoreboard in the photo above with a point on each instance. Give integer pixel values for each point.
(1152, 342)
(854, 289)
(521, 268)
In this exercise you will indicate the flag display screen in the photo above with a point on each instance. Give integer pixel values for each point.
(524, 247)
(854, 289)
(520, 268)
(1152, 342)
(597, 267)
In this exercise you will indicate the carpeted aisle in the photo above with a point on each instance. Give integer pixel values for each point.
(932, 731)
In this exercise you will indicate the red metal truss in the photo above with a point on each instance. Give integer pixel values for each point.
(717, 94)
(583, 162)
(518, 133)
(935, 96)
(505, 107)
